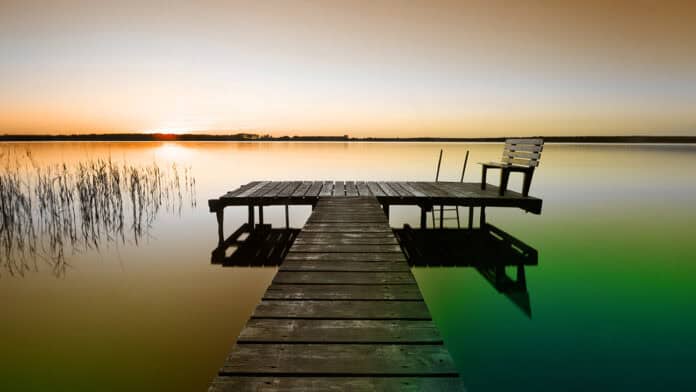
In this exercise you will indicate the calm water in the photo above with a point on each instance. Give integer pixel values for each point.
(612, 298)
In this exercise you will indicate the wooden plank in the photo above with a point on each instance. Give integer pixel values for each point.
(339, 189)
(378, 239)
(521, 154)
(346, 310)
(375, 189)
(271, 189)
(521, 162)
(327, 189)
(351, 189)
(251, 190)
(364, 257)
(289, 189)
(346, 228)
(343, 265)
(387, 189)
(387, 234)
(239, 190)
(363, 189)
(415, 192)
(346, 248)
(402, 191)
(314, 190)
(340, 359)
(292, 277)
(304, 383)
(302, 189)
(402, 292)
(340, 331)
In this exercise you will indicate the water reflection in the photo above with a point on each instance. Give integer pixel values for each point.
(50, 211)
(263, 246)
(490, 250)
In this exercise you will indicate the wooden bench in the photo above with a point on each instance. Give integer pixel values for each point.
(519, 155)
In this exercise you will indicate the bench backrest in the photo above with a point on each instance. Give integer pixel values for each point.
(523, 152)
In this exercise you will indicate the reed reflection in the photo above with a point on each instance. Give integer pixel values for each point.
(490, 250)
(50, 211)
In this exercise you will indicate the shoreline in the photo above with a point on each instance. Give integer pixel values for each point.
(158, 137)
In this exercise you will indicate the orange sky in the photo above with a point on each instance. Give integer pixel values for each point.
(464, 68)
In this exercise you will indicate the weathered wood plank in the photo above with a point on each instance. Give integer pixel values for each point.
(363, 189)
(346, 248)
(351, 189)
(403, 192)
(344, 265)
(362, 257)
(327, 189)
(355, 384)
(239, 190)
(340, 359)
(348, 310)
(302, 189)
(314, 190)
(375, 189)
(340, 331)
(388, 189)
(339, 189)
(346, 228)
(319, 277)
(289, 189)
(248, 192)
(378, 239)
(402, 292)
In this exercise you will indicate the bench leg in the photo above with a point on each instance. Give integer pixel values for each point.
(504, 178)
(483, 177)
(527, 182)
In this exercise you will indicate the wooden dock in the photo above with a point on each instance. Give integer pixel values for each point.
(344, 311)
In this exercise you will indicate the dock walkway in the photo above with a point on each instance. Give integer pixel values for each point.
(343, 312)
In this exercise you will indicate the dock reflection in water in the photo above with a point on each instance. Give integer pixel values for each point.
(498, 256)
(489, 249)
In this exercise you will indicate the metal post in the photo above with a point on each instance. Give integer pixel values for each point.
(466, 159)
(439, 160)
(287, 217)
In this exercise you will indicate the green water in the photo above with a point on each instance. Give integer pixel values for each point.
(612, 298)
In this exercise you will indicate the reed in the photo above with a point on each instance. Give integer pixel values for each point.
(48, 212)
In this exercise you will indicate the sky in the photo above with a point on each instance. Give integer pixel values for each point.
(364, 68)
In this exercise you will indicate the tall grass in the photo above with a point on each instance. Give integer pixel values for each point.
(49, 212)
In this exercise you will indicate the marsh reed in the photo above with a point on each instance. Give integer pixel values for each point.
(48, 212)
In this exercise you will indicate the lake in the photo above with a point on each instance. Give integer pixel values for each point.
(611, 298)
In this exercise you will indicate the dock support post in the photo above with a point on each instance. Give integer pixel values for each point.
(260, 214)
(423, 223)
(385, 208)
(287, 217)
(471, 218)
(442, 215)
(220, 215)
(251, 217)
(482, 221)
